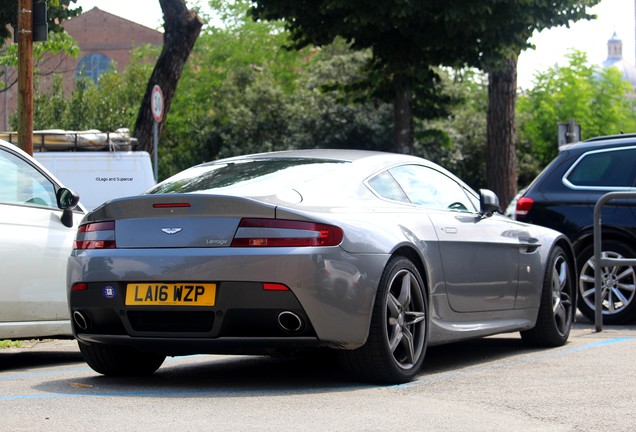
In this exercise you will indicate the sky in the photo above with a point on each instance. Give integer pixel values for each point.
(551, 45)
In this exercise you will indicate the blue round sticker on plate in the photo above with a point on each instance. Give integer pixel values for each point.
(109, 291)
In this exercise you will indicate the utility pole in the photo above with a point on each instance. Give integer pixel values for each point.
(25, 75)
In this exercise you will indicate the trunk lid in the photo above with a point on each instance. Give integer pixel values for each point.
(178, 220)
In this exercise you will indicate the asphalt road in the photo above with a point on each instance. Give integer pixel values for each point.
(492, 384)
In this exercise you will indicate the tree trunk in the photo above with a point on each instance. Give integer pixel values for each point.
(181, 30)
(403, 120)
(501, 165)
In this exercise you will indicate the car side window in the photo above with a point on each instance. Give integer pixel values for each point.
(385, 185)
(428, 187)
(21, 183)
(615, 168)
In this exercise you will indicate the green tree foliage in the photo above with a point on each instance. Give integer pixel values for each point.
(110, 104)
(458, 141)
(409, 38)
(595, 98)
(57, 44)
(237, 74)
(182, 27)
(399, 67)
(242, 92)
(57, 12)
(58, 41)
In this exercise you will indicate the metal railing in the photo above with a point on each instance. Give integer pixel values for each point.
(598, 254)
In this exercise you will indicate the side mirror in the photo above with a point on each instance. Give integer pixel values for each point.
(67, 200)
(488, 203)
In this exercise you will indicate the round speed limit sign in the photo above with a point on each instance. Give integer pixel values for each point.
(156, 103)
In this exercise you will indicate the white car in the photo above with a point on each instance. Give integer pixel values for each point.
(38, 221)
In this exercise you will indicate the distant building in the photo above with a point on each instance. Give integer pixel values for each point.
(615, 59)
(105, 40)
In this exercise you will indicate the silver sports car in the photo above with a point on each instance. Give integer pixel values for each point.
(373, 255)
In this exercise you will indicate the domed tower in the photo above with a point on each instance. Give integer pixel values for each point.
(615, 59)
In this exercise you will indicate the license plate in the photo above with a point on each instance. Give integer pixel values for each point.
(170, 294)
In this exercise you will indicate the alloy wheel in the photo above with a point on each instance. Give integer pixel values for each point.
(617, 285)
(562, 305)
(406, 319)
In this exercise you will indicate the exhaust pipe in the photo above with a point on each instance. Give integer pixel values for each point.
(290, 322)
(81, 320)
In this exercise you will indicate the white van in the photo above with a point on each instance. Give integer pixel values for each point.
(99, 166)
(99, 176)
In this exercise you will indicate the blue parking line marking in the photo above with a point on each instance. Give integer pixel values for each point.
(600, 343)
(36, 374)
(447, 376)
(86, 368)
(423, 380)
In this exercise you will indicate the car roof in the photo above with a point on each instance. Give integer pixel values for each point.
(348, 155)
(352, 167)
(364, 160)
(610, 141)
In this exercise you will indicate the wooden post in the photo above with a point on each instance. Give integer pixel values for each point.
(25, 75)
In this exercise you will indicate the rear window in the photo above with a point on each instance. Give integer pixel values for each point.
(604, 169)
(255, 177)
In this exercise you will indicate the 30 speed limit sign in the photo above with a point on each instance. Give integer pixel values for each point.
(156, 103)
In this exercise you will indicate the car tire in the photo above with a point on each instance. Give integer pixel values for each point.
(556, 308)
(618, 282)
(398, 334)
(112, 360)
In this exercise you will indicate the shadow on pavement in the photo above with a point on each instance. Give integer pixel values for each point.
(36, 353)
(254, 376)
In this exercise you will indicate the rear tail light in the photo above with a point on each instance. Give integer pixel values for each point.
(97, 235)
(524, 205)
(285, 233)
(275, 287)
(79, 286)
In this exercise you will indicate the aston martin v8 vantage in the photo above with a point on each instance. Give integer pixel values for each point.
(373, 255)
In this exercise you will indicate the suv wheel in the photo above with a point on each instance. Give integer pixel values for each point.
(618, 282)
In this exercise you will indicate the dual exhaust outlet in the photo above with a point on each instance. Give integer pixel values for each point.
(81, 320)
(288, 321)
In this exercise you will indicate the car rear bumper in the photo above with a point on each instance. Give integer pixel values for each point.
(188, 346)
(330, 294)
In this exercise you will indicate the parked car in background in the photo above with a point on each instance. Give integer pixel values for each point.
(373, 255)
(38, 221)
(563, 197)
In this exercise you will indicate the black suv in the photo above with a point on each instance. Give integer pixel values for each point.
(563, 196)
